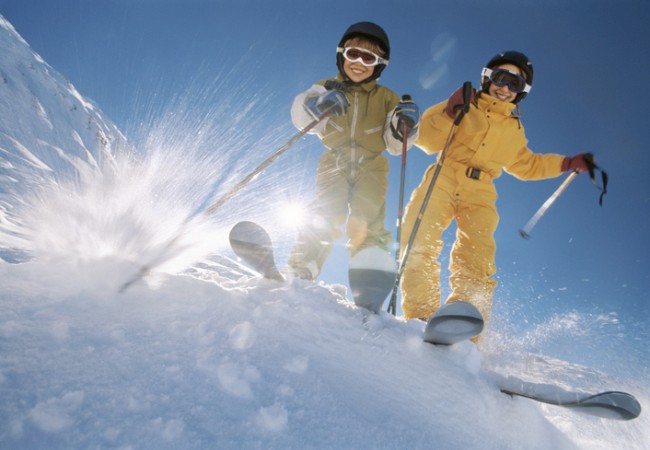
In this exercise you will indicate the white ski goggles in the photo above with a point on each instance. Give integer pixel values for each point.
(504, 77)
(365, 57)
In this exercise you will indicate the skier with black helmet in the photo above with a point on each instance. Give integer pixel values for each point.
(489, 139)
(366, 119)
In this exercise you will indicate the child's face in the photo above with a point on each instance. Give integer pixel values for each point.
(356, 71)
(503, 93)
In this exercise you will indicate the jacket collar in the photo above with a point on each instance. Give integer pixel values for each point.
(495, 105)
(365, 86)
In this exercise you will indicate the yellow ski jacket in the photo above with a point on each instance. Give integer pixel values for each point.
(489, 138)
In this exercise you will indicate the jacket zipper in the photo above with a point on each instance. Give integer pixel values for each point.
(353, 149)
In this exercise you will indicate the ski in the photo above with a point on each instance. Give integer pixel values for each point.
(371, 276)
(454, 322)
(615, 405)
(253, 245)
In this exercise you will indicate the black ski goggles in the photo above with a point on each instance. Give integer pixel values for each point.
(504, 77)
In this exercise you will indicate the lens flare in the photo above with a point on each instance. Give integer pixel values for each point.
(293, 214)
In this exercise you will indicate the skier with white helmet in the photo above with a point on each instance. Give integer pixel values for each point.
(351, 181)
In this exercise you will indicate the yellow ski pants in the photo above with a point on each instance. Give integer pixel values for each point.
(471, 202)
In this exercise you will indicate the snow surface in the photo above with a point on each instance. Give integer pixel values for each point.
(217, 358)
(203, 353)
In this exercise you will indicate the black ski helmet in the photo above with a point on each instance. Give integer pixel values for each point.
(368, 30)
(511, 57)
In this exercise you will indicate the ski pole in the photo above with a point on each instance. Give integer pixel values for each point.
(467, 88)
(267, 162)
(525, 231)
(591, 168)
(392, 304)
(160, 256)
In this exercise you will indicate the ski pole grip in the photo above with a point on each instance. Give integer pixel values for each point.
(467, 96)
(405, 124)
(335, 85)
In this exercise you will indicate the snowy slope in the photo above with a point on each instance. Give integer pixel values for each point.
(49, 133)
(217, 359)
(212, 357)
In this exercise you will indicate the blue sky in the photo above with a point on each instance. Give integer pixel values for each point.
(590, 94)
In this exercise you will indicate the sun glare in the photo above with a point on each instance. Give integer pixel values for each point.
(293, 214)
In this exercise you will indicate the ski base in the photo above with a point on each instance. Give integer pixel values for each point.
(253, 245)
(454, 322)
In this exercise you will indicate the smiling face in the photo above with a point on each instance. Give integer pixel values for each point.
(356, 71)
(503, 93)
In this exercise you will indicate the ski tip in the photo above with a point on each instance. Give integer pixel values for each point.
(611, 405)
(250, 242)
(454, 322)
(370, 288)
(248, 231)
(372, 274)
(459, 309)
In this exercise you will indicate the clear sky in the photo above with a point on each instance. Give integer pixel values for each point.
(589, 94)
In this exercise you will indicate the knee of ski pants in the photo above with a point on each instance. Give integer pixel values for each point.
(473, 252)
(365, 227)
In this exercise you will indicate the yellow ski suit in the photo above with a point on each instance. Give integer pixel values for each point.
(489, 138)
(352, 173)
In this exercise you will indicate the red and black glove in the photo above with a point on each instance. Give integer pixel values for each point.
(579, 162)
(457, 102)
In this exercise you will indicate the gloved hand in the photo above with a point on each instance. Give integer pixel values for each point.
(577, 163)
(332, 98)
(406, 113)
(455, 102)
